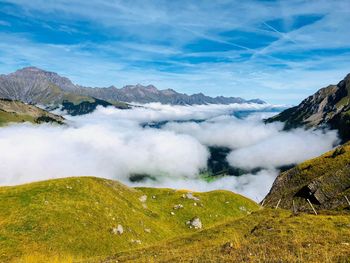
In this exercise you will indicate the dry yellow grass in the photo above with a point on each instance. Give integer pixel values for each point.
(69, 220)
(42, 258)
(264, 236)
(73, 217)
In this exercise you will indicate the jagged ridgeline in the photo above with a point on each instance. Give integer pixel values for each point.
(38, 87)
(328, 107)
(35, 86)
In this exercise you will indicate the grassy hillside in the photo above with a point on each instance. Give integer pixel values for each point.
(75, 220)
(267, 235)
(16, 111)
(324, 180)
(75, 217)
(8, 117)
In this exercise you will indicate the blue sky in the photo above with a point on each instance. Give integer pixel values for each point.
(279, 51)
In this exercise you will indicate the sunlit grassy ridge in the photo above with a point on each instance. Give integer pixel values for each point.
(12, 111)
(8, 117)
(74, 217)
(267, 235)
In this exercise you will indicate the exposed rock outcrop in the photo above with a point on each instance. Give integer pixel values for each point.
(190, 196)
(324, 181)
(195, 223)
(178, 206)
(143, 198)
(118, 230)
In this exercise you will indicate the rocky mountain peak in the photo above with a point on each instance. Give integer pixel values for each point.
(30, 69)
(31, 73)
(151, 87)
(168, 92)
(328, 107)
(139, 86)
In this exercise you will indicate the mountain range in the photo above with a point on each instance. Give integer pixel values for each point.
(36, 86)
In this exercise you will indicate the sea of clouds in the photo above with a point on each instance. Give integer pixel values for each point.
(113, 143)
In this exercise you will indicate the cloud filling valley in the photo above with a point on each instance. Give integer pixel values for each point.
(115, 144)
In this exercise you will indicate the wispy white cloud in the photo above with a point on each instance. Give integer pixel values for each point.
(149, 42)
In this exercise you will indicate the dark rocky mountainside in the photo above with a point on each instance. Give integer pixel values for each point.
(324, 181)
(36, 86)
(17, 111)
(328, 107)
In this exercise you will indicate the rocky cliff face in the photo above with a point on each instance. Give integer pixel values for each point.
(36, 86)
(328, 107)
(324, 181)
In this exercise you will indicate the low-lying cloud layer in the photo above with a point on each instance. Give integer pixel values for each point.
(227, 131)
(113, 143)
(285, 148)
(255, 144)
(39, 152)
